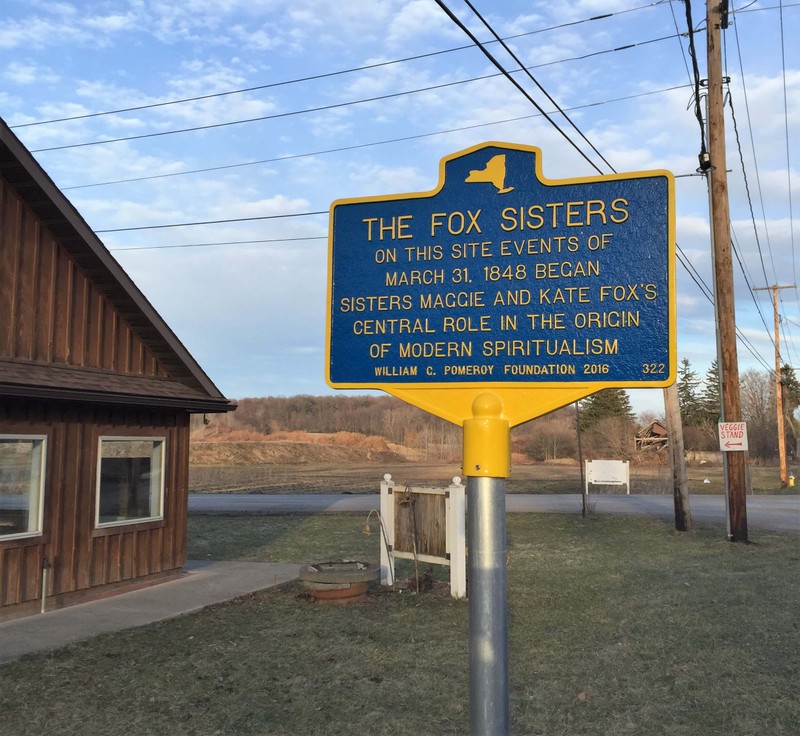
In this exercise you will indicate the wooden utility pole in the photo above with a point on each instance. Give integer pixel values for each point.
(680, 484)
(723, 270)
(779, 382)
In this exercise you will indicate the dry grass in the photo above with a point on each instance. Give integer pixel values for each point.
(358, 476)
(618, 626)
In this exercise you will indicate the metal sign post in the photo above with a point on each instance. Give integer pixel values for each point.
(487, 460)
(488, 606)
(494, 299)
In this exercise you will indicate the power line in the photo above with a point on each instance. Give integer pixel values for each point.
(301, 214)
(232, 242)
(789, 342)
(786, 128)
(227, 242)
(326, 75)
(747, 186)
(755, 157)
(734, 240)
(261, 118)
(211, 222)
(536, 82)
(748, 9)
(683, 51)
(357, 146)
(698, 112)
(693, 273)
(504, 73)
(786, 341)
(333, 106)
(747, 281)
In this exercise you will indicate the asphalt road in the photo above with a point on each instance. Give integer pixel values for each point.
(768, 513)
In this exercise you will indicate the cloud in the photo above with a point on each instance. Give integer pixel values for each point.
(22, 73)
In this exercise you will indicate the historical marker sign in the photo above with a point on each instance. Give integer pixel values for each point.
(502, 278)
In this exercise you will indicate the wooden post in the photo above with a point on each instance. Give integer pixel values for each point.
(723, 274)
(457, 536)
(387, 529)
(680, 485)
(779, 383)
(584, 510)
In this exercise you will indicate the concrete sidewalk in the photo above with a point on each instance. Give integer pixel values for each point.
(204, 584)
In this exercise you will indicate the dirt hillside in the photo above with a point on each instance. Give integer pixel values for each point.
(235, 447)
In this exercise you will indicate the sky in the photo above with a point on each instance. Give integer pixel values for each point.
(254, 117)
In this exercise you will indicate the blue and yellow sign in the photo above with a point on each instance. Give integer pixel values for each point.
(501, 278)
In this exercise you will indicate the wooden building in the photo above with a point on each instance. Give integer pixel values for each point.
(652, 437)
(95, 397)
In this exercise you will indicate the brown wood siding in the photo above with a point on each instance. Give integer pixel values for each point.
(66, 318)
(9, 222)
(52, 313)
(45, 288)
(82, 556)
(25, 319)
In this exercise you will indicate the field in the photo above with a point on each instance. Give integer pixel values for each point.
(356, 476)
(616, 626)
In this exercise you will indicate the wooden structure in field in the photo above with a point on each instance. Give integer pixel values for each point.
(95, 397)
(652, 437)
(425, 525)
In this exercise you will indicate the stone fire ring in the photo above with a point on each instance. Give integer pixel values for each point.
(342, 581)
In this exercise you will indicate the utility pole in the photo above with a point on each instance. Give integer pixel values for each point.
(680, 484)
(716, 17)
(779, 381)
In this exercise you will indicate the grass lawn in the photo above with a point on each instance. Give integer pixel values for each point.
(618, 626)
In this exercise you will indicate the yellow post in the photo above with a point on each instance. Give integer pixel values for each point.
(487, 439)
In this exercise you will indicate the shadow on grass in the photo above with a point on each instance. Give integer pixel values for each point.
(284, 538)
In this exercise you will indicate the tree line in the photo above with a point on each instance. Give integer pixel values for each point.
(699, 401)
(607, 424)
(602, 425)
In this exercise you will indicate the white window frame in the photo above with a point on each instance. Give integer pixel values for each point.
(160, 453)
(37, 498)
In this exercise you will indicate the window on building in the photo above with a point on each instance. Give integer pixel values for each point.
(22, 460)
(130, 480)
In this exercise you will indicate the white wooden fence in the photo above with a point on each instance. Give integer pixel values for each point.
(452, 553)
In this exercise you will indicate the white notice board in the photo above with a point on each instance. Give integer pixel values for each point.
(608, 473)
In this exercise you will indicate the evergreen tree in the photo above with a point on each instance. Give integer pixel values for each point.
(710, 399)
(791, 389)
(791, 401)
(688, 399)
(607, 424)
(610, 402)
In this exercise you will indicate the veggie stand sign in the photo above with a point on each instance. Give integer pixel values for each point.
(541, 291)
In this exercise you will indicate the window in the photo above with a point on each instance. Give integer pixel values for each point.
(22, 459)
(130, 480)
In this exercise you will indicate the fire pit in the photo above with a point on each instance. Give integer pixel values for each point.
(342, 581)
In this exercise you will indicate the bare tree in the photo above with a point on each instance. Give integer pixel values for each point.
(758, 410)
